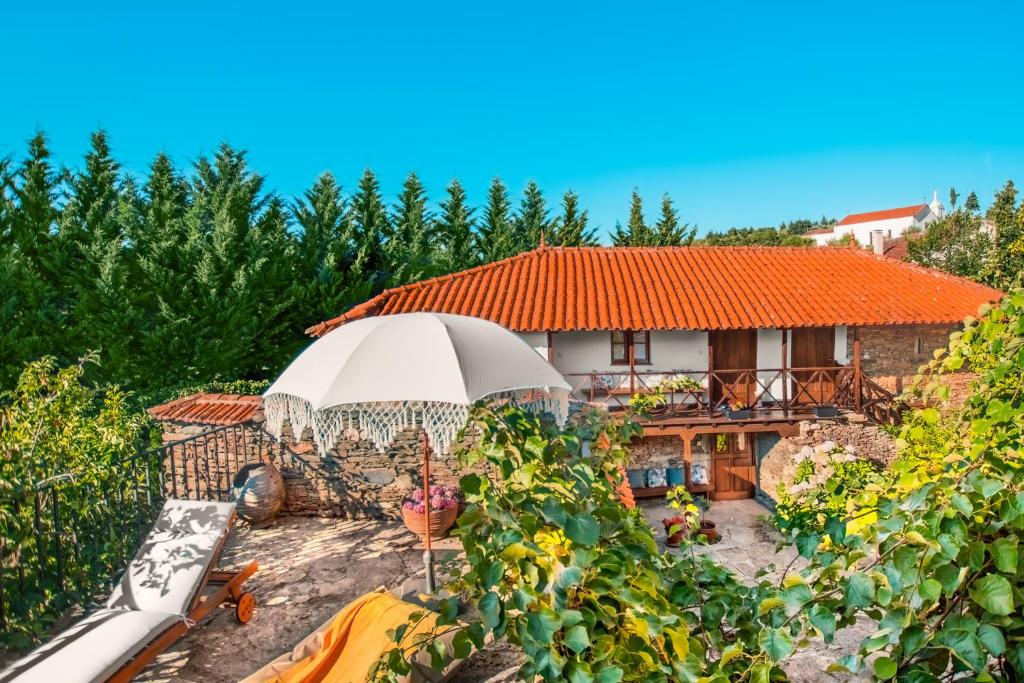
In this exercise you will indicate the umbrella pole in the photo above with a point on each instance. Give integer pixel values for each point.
(428, 557)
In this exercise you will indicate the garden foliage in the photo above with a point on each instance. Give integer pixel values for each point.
(558, 566)
(68, 468)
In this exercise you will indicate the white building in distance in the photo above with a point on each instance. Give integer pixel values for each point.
(890, 222)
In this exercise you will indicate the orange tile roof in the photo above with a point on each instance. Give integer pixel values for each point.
(702, 288)
(211, 409)
(821, 231)
(886, 214)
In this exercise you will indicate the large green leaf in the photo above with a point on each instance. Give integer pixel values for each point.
(542, 624)
(1004, 554)
(582, 528)
(824, 620)
(993, 592)
(491, 609)
(860, 590)
(577, 639)
(776, 643)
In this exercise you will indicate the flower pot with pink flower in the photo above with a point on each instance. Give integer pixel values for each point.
(676, 530)
(444, 509)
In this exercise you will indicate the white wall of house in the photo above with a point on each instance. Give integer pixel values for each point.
(892, 227)
(582, 352)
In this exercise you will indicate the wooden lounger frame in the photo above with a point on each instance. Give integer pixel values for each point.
(227, 588)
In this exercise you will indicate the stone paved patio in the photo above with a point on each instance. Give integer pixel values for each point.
(311, 567)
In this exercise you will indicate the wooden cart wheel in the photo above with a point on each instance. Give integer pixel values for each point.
(244, 607)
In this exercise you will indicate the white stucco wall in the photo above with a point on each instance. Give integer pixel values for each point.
(893, 227)
(538, 340)
(592, 351)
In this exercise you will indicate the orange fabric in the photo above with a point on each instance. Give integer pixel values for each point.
(353, 641)
(691, 288)
(885, 214)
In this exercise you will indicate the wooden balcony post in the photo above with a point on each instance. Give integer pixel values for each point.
(858, 378)
(711, 379)
(785, 379)
(632, 366)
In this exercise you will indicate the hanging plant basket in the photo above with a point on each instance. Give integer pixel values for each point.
(440, 522)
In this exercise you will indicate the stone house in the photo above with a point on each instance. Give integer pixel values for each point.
(745, 344)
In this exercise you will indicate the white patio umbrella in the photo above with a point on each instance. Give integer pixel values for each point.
(377, 376)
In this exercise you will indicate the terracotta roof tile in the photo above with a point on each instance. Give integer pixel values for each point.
(211, 409)
(608, 288)
(885, 214)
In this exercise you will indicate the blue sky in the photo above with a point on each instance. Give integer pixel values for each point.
(745, 113)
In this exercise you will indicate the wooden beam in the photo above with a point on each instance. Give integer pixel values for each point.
(785, 379)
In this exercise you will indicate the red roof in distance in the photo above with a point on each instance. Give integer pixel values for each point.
(211, 409)
(883, 215)
(692, 288)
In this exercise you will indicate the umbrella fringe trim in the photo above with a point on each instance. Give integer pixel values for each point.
(381, 423)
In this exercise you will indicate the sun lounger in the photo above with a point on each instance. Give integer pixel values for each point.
(344, 648)
(162, 594)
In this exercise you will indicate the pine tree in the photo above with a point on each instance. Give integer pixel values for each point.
(531, 220)
(972, 204)
(497, 232)
(667, 231)
(408, 246)
(636, 233)
(570, 229)
(454, 229)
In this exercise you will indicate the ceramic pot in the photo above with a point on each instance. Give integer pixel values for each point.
(258, 491)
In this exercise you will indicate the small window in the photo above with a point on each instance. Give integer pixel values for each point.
(623, 342)
(918, 345)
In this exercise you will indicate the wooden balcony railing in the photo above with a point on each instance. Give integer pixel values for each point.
(768, 392)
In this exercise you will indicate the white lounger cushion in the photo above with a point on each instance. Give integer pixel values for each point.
(91, 650)
(170, 565)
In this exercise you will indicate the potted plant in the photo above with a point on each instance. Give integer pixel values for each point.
(676, 530)
(826, 411)
(707, 528)
(444, 509)
(738, 410)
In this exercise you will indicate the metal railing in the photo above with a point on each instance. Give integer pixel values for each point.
(66, 539)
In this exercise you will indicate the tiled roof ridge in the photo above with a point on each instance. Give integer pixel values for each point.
(581, 288)
(326, 325)
(894, 212)
(208, 408)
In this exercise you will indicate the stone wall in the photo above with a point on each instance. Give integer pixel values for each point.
(354, 480)
(889, 353)
(864, 439)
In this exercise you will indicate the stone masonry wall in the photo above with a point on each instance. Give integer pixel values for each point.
(354, 480)
(889, 353)
(864, 439)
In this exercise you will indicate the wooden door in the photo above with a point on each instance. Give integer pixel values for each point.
(813, 347)
(733, 464)
(733, 350)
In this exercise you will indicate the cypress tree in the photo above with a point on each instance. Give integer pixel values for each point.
(369, 218)
(168, 253)
(408, 247)
(94, 247)
(531, 220)
(1005, 264)
(457, 243)
(497, 232)
(668, 232)
(636, 233)
(328, 275)
(570, 229)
